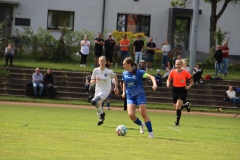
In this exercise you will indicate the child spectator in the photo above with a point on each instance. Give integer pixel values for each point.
(142, 65)
(158, 78)
(87, 83)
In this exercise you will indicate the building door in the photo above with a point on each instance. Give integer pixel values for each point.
(182, 32)
(6, 15)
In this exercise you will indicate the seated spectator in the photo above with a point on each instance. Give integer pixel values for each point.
(142, 65)
(48, 82)
(9, 54)
(167, 70)
(158, 78)
(232, 96)
(37, 82)
(197, 74)
(87, 83)
(185, 65)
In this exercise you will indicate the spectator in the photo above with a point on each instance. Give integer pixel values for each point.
(197, 74)
(167, 70)
(99, 43)
(9, 54)
(232, 96)
(225, 51)
(142, 65)
(109, 47)
(176, 58)
(165, 50)
(219, 58)
(48, 82)
(37, 82)
(158, 78)
(85, 44)
(87, 83)
(151, 47)
(138, 49)
(184, 65)
(124, 45)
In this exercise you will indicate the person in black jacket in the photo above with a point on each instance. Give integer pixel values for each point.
(48, 82)
(219, 58)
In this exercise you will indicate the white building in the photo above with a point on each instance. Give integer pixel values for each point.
(154, 17)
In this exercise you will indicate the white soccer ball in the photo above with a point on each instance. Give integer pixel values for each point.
(121, 130)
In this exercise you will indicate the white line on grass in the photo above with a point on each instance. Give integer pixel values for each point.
(174, 129)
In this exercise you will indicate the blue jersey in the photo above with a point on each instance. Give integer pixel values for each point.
(133, 82)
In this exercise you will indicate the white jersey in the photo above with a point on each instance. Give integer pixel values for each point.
(85, 47)
(103, 80)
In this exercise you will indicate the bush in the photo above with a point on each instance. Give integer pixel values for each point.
(5, 73)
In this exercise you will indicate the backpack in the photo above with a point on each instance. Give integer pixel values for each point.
(208, 77)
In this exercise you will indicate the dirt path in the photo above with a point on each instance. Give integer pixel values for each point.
(113, 108)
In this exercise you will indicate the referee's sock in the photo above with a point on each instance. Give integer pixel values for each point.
(138, 122)
(178, 114)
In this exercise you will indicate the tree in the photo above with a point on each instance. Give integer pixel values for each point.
(215, 17)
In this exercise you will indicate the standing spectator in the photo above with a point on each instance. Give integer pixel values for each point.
(176, 58)
(109, 47)
(218, 64)
(165, 50)
(48, 82)
(102, 76)
(151, 47)
(37, 82)
(133, 89)
(179, 77)
(124, 45)
(158, 78)
(232, 96)
(85, 44)
(99, 43)
(9, 54)
(142, 65)
(197, 74)
(87, 83)
(138, 49)
(225, 51)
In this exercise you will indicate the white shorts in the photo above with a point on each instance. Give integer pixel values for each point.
(102, 95)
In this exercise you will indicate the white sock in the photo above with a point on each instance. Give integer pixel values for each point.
(99, 110)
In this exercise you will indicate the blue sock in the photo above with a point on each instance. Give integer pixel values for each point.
(102, 104)
(149, 126)
(108, 104)
(138, 122)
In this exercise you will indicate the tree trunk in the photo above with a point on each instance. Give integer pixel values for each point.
(213, 23)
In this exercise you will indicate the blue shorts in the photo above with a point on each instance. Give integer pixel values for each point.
(141, 99)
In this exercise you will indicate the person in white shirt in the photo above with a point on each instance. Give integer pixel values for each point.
(85, 44)
(232, 96)
(166, 48)
(102, 76)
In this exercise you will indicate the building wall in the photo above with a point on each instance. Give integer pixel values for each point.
(88, 15)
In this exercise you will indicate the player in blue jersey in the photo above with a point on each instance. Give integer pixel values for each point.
(133, 88)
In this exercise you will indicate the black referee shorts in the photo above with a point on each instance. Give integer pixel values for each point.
(179, 93)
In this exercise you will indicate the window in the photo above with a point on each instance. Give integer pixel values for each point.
(134, 23)
(57, 20)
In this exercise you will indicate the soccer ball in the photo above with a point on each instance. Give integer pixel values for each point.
(121, 130)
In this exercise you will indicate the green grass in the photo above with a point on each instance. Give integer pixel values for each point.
(73, 66)
(69, 133)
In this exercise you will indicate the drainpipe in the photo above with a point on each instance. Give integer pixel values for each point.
(103, 15)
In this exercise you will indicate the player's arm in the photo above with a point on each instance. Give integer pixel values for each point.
(93, 81)
(124, 89)
(169, 80)
(146, 75)
(116, 85)
(190, 84)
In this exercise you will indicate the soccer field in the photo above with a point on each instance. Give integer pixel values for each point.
(28, 132)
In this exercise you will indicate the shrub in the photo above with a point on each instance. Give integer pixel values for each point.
(5, 73)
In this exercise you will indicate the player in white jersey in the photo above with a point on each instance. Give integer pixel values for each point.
(102, 76)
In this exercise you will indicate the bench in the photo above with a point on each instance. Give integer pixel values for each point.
(30, 92)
